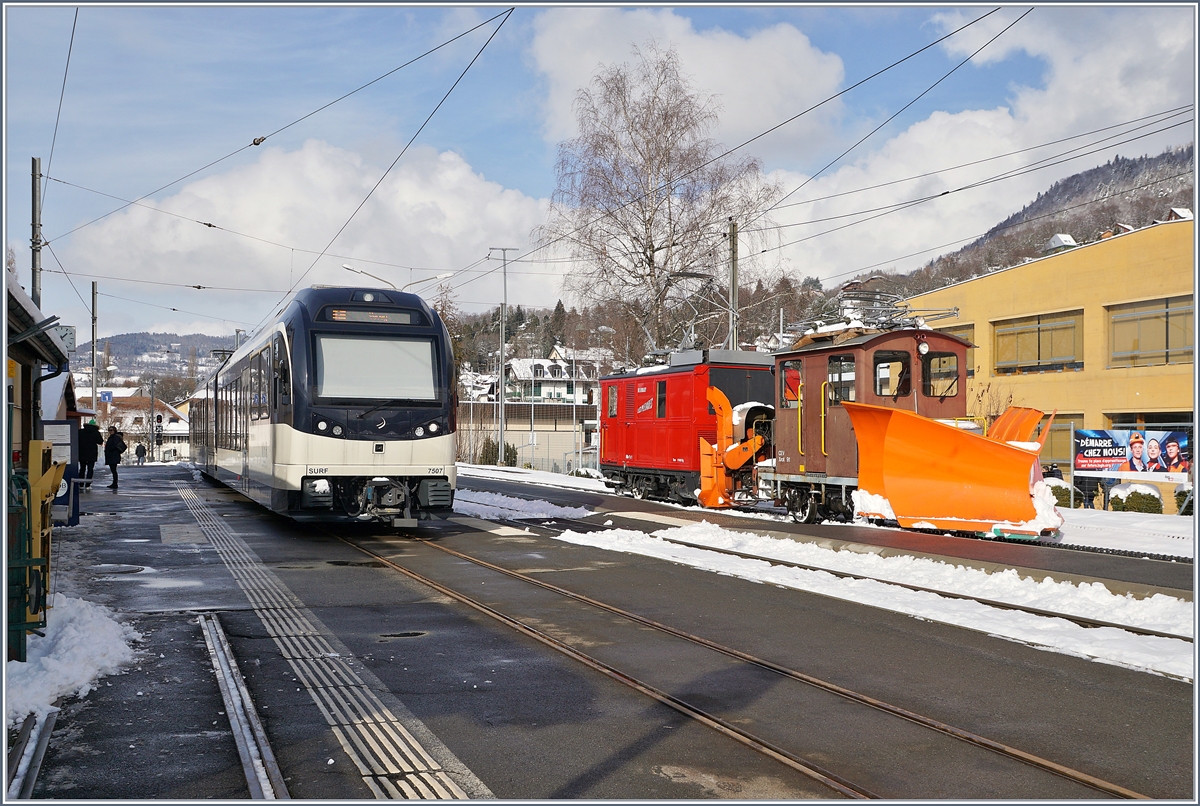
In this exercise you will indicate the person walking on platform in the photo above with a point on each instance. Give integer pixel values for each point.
(140, 450)
(113, 448)
(90, 440)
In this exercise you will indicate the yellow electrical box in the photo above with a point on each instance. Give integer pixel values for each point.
(45, 478)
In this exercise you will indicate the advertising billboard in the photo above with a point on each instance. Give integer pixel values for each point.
(1141, 455)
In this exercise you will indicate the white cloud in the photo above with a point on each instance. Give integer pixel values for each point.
(760, 80)
(432, 213)
(1105, 66)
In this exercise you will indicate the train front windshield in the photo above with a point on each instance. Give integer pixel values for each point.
(374, 368)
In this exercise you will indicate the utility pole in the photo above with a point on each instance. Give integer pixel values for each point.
(36, 241)
(503, 250)
(150, 424)
(733, 285)
(95, 380)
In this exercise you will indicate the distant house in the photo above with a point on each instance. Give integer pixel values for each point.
(547, 380)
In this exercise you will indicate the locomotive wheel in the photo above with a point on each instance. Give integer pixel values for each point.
(802, 507)
(638, 490)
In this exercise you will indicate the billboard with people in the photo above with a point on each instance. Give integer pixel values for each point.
(1133, 455)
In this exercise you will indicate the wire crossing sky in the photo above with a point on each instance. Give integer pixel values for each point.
(134, 97)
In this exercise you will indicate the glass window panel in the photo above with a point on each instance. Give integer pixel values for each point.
(789, 384)
(612, 401)
(893, 375)
(365, 368)
(660, 408)
(841, 378)
(940, 375)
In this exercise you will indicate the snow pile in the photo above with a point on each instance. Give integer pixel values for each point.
(871, 505)
(1122, 491)
(494, 506)
(1109, 645)
(83, 643)
(1046, 507)
(195, 471)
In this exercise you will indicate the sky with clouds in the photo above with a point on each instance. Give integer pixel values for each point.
(454, 152)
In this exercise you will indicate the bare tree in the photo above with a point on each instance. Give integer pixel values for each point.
(642, 196)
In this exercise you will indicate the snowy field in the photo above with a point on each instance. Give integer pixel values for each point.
(85, 642)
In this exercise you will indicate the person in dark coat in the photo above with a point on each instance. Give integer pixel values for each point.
(90, 440)
(113, 448)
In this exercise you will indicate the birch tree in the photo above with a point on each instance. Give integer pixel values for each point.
(643, 195)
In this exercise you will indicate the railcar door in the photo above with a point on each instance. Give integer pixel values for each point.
(789, 415)
(838, 447)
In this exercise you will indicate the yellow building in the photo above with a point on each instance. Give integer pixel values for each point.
(1102, 332)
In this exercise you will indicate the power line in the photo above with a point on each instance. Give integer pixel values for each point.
(1010, 174)
(58, 116)
(416, 134)
(772, 129)
(863, 139)
(1003, 227)
(260, 140)
(177, 310)
(1158, 116)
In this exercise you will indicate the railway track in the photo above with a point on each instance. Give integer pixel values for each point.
(774, 746)
(560, 525)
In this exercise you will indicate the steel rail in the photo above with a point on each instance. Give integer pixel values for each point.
(1082, 621)
(1063, 771)
(817, 773)
(263, 775)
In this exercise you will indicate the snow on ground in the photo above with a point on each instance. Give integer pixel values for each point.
(83, 643)
(523, 476)
(493, 506)
(1155, 534)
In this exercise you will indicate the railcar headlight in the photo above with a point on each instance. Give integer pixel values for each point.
(923, 348)
(322, 426)
(433, 428)
(337, 430)
(419, 431)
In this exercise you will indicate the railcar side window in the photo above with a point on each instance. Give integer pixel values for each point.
(612, 400)
(660, 409)
(939, 375)
(789, 385)
(893, 373)
(841, 378)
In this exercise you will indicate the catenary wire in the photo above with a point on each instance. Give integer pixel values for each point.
(775, 127)
(411, 140)
(1009, 174)
(58, 116)
(1159, 117)
(260, 140)
(898, 112)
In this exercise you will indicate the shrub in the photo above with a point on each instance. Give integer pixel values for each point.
(1180, 496)
(1137, 502)
(1062, 495)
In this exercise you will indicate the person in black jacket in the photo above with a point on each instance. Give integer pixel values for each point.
(90, 440)
(113, 448)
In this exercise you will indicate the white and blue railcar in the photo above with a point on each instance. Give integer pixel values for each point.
(342, 408)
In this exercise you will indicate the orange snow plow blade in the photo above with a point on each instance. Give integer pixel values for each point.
(934, 475)
(1017, 424)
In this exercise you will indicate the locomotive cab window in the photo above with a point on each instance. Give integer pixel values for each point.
(365, 367)
(893, 373)
(841, 378)
(612, 400)
(789, 385)
(660, 409)
(939, 373)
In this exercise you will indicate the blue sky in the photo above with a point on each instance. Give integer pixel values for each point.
(154, 93)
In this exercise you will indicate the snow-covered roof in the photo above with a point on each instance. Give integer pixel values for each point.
(1059, 241)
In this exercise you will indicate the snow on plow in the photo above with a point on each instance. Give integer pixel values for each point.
(935, 476)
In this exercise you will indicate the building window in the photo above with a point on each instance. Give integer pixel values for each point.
(1040, 343)
(967, 334)
(841, 378)
(893, 373)
(1155, 332)
(1057, 449)
(539, 371)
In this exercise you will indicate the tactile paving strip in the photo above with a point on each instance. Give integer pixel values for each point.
(392, 763)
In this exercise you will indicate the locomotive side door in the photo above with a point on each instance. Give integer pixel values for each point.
(789, 438)
(837, 445)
